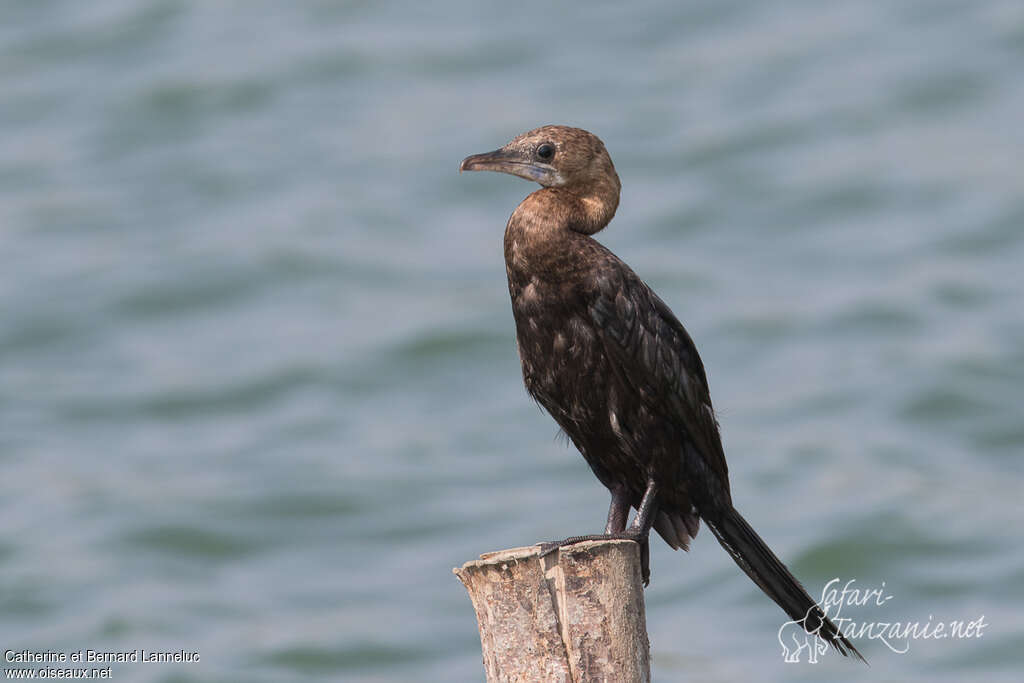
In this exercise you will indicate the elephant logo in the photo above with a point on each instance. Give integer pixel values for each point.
(794, 639)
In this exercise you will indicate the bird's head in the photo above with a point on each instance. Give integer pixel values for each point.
(553, 156)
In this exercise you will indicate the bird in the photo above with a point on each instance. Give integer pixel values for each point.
(618, 372)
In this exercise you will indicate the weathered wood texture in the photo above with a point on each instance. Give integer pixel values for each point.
(575, 615)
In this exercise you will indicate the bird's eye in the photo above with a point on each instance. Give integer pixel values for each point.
(546, 151)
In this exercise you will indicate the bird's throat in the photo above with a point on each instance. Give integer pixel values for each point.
(584, 210)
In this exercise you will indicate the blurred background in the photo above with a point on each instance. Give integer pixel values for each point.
(259, 390)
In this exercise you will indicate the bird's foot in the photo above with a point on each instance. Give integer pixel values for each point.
(628, 535)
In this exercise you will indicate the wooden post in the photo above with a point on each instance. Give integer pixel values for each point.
(575, 615)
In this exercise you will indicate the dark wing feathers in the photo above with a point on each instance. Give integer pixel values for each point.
(655, 355)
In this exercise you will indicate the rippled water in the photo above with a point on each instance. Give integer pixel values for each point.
(258, 382)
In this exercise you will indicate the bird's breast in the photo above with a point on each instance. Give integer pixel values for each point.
(558, 347)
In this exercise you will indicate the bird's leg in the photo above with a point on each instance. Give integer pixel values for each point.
(639, 531)
(641, 527)
(618, 511)
(648, 508)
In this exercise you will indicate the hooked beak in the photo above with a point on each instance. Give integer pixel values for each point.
(507, 161)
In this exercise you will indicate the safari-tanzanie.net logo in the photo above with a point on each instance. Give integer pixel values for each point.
(895, 635)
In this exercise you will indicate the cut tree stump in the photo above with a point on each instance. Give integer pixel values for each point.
(576, 614)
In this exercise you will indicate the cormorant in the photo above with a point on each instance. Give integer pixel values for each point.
(615, 368)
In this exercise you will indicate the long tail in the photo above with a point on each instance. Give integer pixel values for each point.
(758, 561)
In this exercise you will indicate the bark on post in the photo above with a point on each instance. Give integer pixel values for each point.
(575, 615)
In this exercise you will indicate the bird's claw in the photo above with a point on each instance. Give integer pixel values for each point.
(548, 547)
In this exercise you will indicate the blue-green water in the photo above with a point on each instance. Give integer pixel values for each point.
(258, 382)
